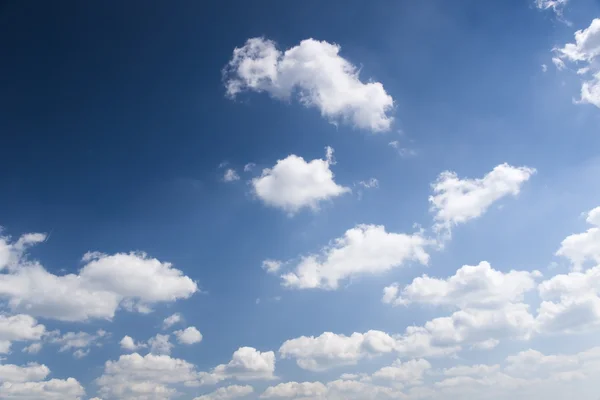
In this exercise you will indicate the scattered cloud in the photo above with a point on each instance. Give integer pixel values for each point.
(317, 75)
(19, 328)
(363, 250)
(271, 266)
(369, 183)
(228, 392)
(581, 248)
(160, 345)
(293, 183)
(80, 342)
(189, 335)
(247, 363)
(230, 175)
(249, 167)
(172, 320)
(127, 343)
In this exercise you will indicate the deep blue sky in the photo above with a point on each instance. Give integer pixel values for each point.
(114, 121)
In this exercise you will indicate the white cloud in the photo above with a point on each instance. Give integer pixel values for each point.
(54, 389)
(295, 390)
(127, 343)
(249, 167)
(11, 254)
(189, 335)
(336, 390)
(106, 282)
(456, 201)
(271, 266)
(480, 370)
(590, 91)
(230, 175)
(247, 363)
(31, 372)
(293, 183)
(369, 183)
(18, 328)
(583, 247)
(557, 6)
(317, 74)
(544, 68)
(470, 286)
(409, 373)
(363, 250)
(228, 392)
(33, 348)
(151, 377)
(80, 341)
(160, 345)
(172, 320)
(558, 63)
(331, 350)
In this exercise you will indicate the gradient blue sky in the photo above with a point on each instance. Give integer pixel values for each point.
(115, 121)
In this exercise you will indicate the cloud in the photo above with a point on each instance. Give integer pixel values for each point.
(149, 377)
(18, 328)
(470, 286)
(33, 348)
(160, 345)
(293, 184)
(228, 392)
(317, 75)
(409, 372)
(77, 340)
(127, 343)
(172, 320)
(31, 372)
(271, 266)
(247, 363)
(189, 335)
(456, 201)
(249, 167)
(586, 51)
(369, 183)
(54, 389)
(294, 390)
(230, 175)
(105, 283)
(332, 350)
(558, 63)
(363, 250)
(580, 248)
(340, 389)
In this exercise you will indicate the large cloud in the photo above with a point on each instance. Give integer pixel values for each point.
(363, 250)
(293, 184)
(317, 74)
(105, 283)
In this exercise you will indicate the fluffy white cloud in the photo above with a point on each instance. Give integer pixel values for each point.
(470, 286)
(228, 392)
(189, 335)
(247, 363)
(330, 350)
(230, 175)
(583, 247)
(152, 377)
(12, 253)
(409, 373)
(160, 345)
(293, 183)
(456, 201)
(31, 372)
(54, 389)
(105, 283)
(127, 343)
(336, 390)
(363, 250)
(18, 328)
(317, 74)
(294, 390)
(80, 341)
(271, 266)
(172, 320)
(33, 348)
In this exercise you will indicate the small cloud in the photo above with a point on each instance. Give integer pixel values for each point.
(370, 183)
(544, 68)
(172, 320)
(558, 63)
(231, 176)
(223, 164)
(249, 167)
(271, 266)
(403, 151)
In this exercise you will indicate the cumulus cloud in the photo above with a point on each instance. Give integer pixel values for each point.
(189, 335)
(585, 51)
(127, 343)
(31, 372)
(331, 350)
(160, 345)
(294, 390)
(293, 183)
(172, 320)
(18, 328)
(247, 363)
(104, 284)
(470, 286)
(317, 75)
(228, 392)
(456, 201)
(53, 389)
(583, 247)
(363, 250)
(150, 377)
(409, 373)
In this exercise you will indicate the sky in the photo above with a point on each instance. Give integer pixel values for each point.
(316, 200)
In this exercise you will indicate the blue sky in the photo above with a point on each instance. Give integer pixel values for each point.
(281, 177)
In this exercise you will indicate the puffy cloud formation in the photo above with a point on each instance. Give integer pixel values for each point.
(53, 389)
(331, 350)
(160, 345)
(228, 392)
(409, 373)
(79, 341)
(583, 247)
(456, 201)
(18, 328)
(189, 335)
(336, 390)
(31, 372)
(363, 250)
(172, 320)
(104, 284)
(315, 73)
(585, 51)
(149, 377)
(247, 363)
(127, 343)
(470, 286)
(293, 183)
